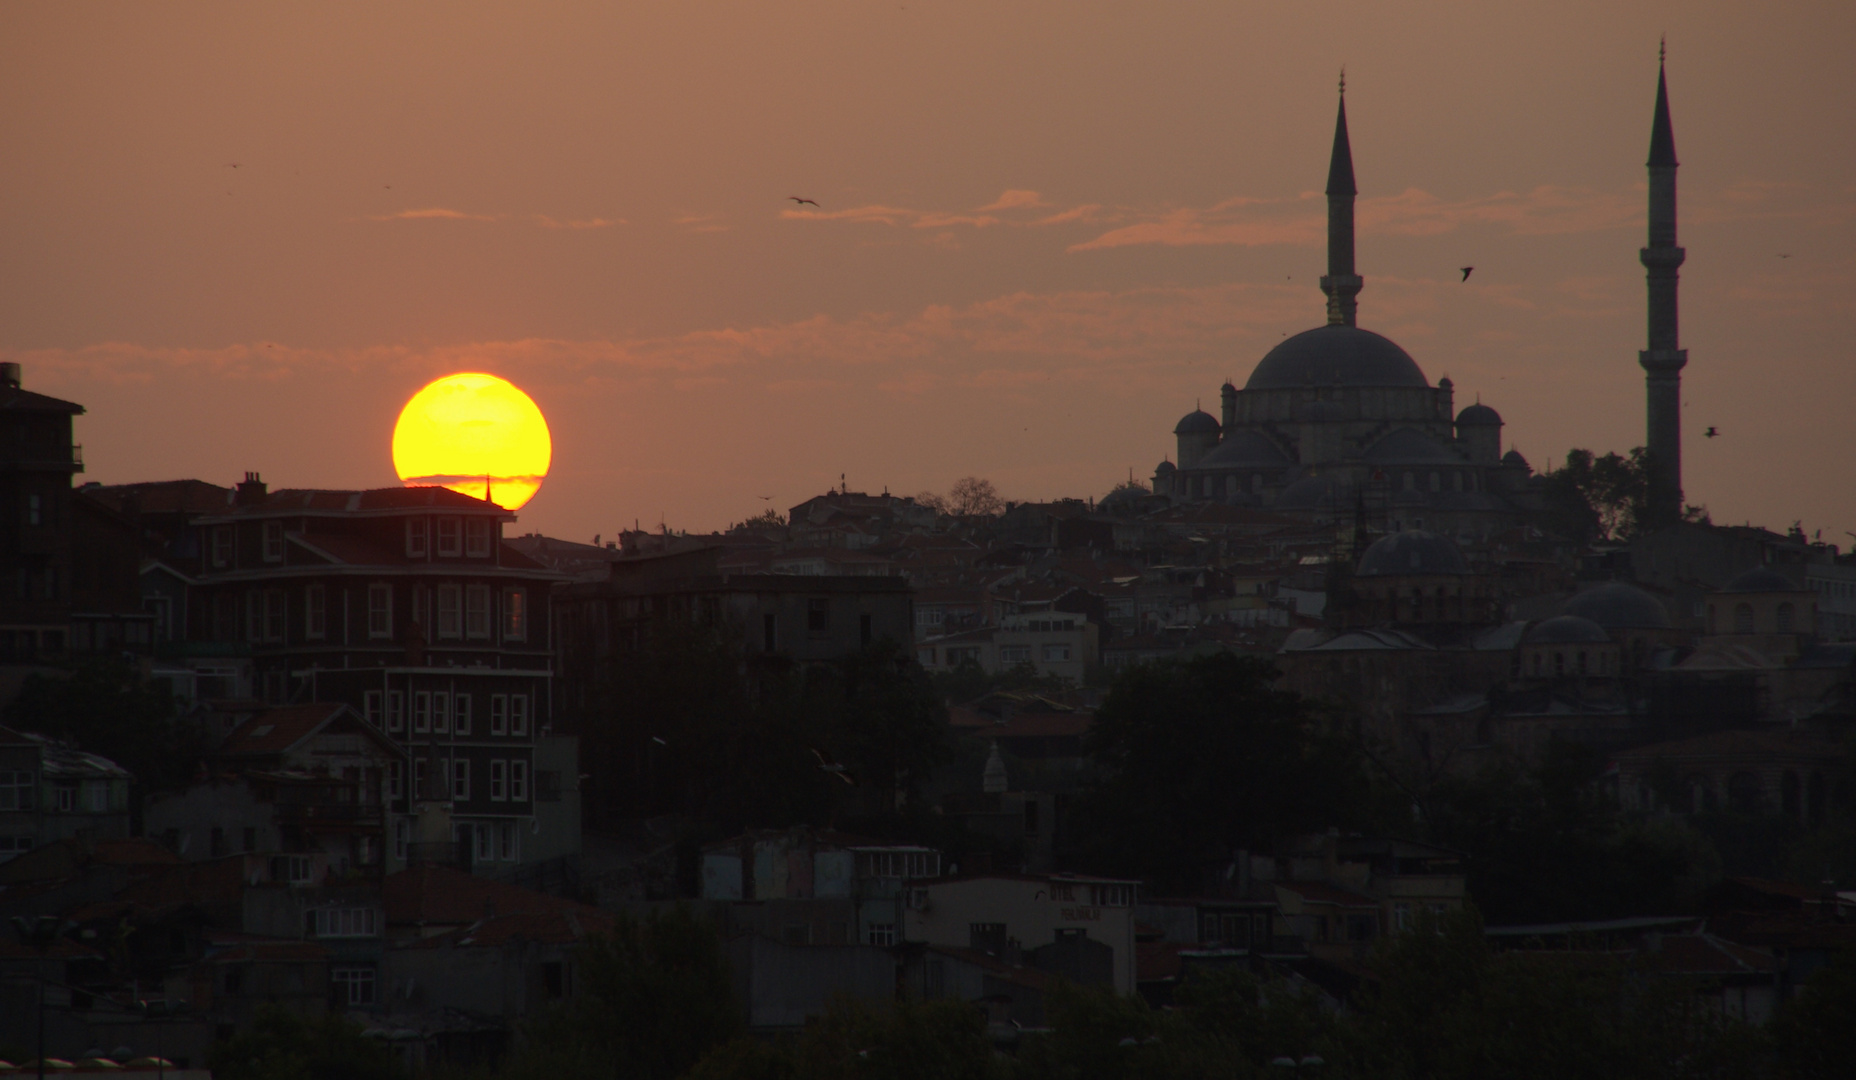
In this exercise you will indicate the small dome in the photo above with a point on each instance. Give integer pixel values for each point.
(1567, 630)
(1760, 579)
(1197, 422)
(1165, 468)
(1513, 460)
(1617, 606)
(1407, 446)
(1316, 412)
(1413, 552)
(1328, 355)
(1478, 415)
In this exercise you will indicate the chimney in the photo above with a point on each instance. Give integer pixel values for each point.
(250, 491)
(9, 376)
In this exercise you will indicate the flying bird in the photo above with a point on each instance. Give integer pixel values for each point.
(1785, 255)
(1711, 433)
(1466, 270)
(803, 202)
(827, 764)
(233, 164)
(766, 498)
(659, 740)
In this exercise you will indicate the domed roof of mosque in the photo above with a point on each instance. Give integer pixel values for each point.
(1760, 579)
(1245, 448)
(1331, 355)
(1567, 630)
(1514, 460)
(1314, 493)
(1410, 447)
(1165, 467)
(1412, 552)
(1478, 414)
(1618, 606)
(1197, 422)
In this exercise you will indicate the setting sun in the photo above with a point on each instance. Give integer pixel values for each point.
(476, 434)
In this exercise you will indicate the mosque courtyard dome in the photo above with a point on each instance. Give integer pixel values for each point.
(1412, 552)
(1197, 422)
(1567, 630)
(1335, 355)
(1760, 579)
(1617, 606)
(1478, 414)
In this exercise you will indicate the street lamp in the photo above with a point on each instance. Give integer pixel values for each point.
(39, 935)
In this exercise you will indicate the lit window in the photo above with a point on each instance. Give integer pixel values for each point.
(515, 614)
(477, 611)
(450, 617)
(449, 536)
(477, 537)
(416, 537)
(380, 611)
(315, 612)
(499, 781)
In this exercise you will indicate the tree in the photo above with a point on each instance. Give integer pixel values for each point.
(1203, 757)
(654, 997)
(936, 1040)
(766, 519)
(280, 1045)
(972, 496)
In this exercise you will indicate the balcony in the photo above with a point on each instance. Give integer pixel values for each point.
(47, 457)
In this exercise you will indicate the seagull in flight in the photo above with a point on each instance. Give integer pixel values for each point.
(1785, 255)
(1466, 270)
(1711, 433)
(766, 498)
(234, 164)
(803, 202)
(827, 764)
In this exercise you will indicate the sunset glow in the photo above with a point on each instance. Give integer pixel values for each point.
(475, 434)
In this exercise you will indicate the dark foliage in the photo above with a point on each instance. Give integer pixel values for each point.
(279, 1045)
(105, 707)
(1203, 757)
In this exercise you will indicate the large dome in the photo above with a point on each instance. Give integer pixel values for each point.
(1336, 355)
(1617, 606)
(1412, 553)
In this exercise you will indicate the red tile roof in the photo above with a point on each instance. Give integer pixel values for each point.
(426, 895)
(134, 851)
(275, 731)
(551, 927)
(1703, 954)
(1320, 892)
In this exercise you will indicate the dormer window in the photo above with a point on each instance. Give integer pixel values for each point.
(450, 537)
(417, 538)
(273, 541)
(477, 537)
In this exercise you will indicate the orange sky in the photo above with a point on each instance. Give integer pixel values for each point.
(1045, 231)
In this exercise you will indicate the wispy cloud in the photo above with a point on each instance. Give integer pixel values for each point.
(547, 222)
(704, 223)
(433, 213)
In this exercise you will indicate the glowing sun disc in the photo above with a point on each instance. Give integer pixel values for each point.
(476, 434)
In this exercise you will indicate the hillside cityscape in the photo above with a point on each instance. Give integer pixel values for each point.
(1347, 742)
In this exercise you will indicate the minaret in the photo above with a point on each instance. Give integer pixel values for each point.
(1340, 283)
(1664, 359)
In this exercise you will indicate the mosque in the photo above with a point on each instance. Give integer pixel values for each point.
(1338, 420)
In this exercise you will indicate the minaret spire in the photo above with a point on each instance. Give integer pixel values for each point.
(1664, 360)
(1340, 283)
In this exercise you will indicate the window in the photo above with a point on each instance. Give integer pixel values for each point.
(1743, 618)
(315, 613)
(518, 781)
(380, 611)
(518, 714)
(402, 838)
(35, 510)
(486, 843)
(273, 541)
(396, 780)
(1111, 895)
(515, 614)
(450, 613)
(292, 869)
(274, 614)
(477, 611)
(460, 779)
(16, 791)
(1015, 654)
(422, 712)
(97, 796)
(1785, 614)
(1054, 653)
(460, 714)
(499, 781)
(345, 922)
(865, 630)
(499, 714)
(416, 537)
(441, 712)
(373, 707)
(450, 531)
(880, 933)
(396, 711)
(507, 842)
(254, 616)
(222, 546)
(66, 798)
(818, 615)
(352, 985)
(477, 537)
